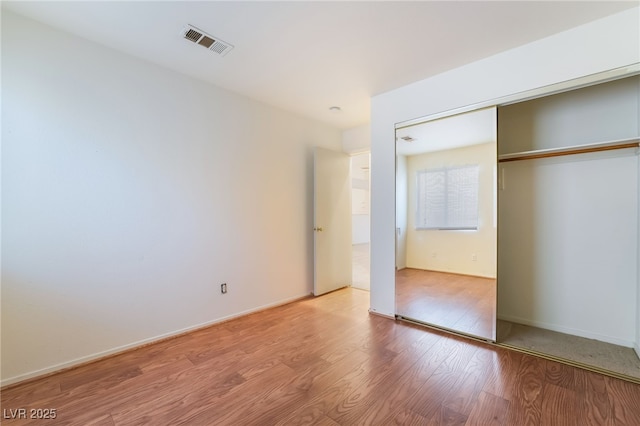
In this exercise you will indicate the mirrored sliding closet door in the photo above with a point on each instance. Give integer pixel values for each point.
(446, 221)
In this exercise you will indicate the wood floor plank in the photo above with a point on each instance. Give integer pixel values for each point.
(448, 417)
(325, 401)
(324, 361)
(625, 400)
(389, 398)
(466, 391)
(559, 374)
(595, 401)
(308, 391)
(103, 378)
(559, 406)
(204, 406)
(488, 410)
(172, 392)
(526, 404)
(384, 377)
(444, 382)
(41, 389)
(408, 418)
(504, 367)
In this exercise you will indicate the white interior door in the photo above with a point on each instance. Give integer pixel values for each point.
(332, 221)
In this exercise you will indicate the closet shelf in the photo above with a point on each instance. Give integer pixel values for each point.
(570, 150)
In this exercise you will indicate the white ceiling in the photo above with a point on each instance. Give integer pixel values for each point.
(305, 57)
(471, 128)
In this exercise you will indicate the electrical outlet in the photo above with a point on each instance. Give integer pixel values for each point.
(474, 257)
(223, 288)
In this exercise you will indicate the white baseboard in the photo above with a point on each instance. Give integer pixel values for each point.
(571, 331)
(636, 348)
(390, 316)
(136, 345)
(444, 271)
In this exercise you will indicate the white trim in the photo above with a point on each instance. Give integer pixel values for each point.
(135, 345)
(568, 330)
(552, 89)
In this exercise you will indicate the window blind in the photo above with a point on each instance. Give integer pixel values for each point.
(448, 198)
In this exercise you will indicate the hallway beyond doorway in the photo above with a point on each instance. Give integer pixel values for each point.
(361, 262)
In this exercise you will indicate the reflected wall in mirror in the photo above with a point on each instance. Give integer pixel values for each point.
(446, 222)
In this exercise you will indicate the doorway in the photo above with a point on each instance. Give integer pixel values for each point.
(361, 219)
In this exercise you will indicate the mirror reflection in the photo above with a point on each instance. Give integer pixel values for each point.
(446, 222)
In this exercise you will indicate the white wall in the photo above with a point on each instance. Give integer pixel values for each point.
(360, 225)
(402, 212)
(360, 198)
(357, 139)
(450, 250)
(130, 193)
(595, 114)
(571, 54)
(568, 245)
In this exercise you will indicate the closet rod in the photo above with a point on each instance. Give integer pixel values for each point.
(583, 149)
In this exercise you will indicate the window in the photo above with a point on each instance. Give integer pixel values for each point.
(448, 198)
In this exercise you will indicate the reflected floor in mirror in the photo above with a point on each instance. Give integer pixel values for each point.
(458, 302)
(605, 356)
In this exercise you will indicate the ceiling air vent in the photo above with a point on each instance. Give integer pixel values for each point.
(212, 43)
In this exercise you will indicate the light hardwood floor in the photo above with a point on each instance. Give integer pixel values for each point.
(458, 302)
(326, 361)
